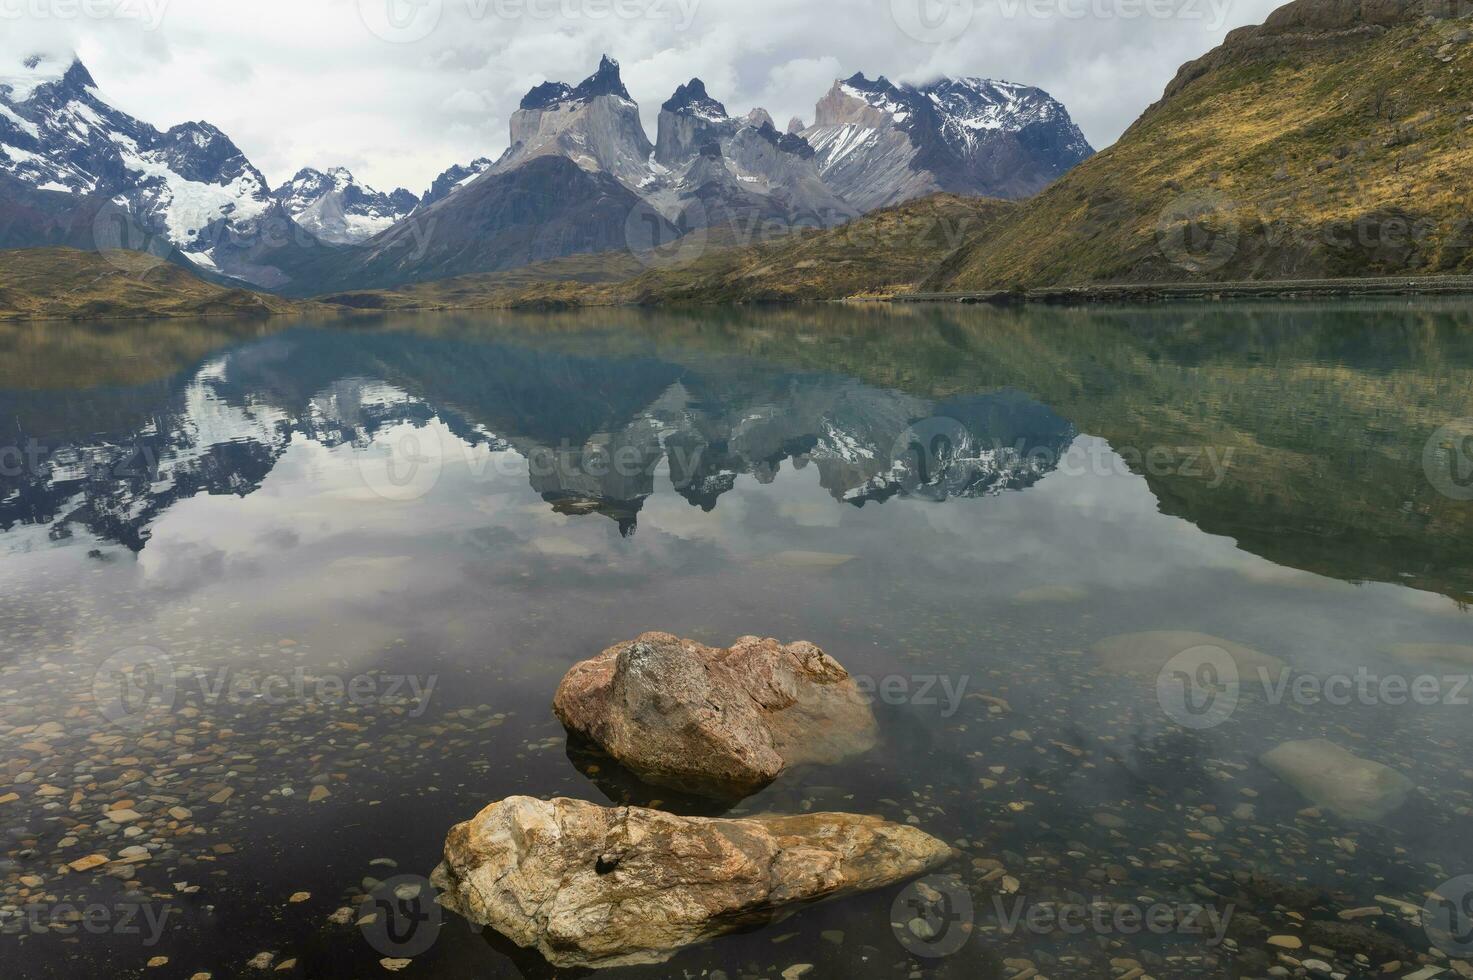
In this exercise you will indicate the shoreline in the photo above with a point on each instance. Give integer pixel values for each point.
(1117, 293)
(1102, 294)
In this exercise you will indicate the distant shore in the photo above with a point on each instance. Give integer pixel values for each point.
(1156, 292)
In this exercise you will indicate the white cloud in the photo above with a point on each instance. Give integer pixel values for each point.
(310, 84)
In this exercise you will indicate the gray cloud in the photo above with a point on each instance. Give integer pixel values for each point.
(398, 99)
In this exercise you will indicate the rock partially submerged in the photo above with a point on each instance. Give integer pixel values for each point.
(717, 722)
(1331, 777)
(592, 886)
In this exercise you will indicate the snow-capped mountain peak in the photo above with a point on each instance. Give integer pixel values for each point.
(335, 207)
(879, 142)
(693, 98)
(971, 105)
(188, 188)
(879, 94)
(20, 84)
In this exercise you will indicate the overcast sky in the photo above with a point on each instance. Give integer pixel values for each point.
(398, 90)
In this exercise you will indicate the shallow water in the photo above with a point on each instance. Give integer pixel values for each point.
(354, 559)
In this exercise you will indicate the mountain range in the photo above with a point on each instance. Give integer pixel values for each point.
(580, 175)
(1330, 142)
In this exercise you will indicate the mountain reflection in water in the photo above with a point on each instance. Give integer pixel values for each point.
(591, 433)
(1260, 419)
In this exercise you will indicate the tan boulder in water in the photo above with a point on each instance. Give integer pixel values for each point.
(1338, 780)
(713, 721)
(592, 886)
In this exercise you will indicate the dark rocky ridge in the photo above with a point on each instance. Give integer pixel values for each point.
(692, 95)
(605, 81)
(453, 178)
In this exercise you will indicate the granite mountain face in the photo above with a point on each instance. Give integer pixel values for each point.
(737, 178)
(595, 124)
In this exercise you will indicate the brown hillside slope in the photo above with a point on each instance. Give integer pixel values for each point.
(63, 283)
(1334, 140)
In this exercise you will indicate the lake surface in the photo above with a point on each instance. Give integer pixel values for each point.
(290, 600)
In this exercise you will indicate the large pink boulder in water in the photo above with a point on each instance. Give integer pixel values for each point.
(720, 722)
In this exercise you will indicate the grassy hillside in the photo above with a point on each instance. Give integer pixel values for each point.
(63, 283)
(1335, 140)
(882, 253)
(885, 252)
(495, 289)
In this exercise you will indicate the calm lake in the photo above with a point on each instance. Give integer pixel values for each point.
(281, 603)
